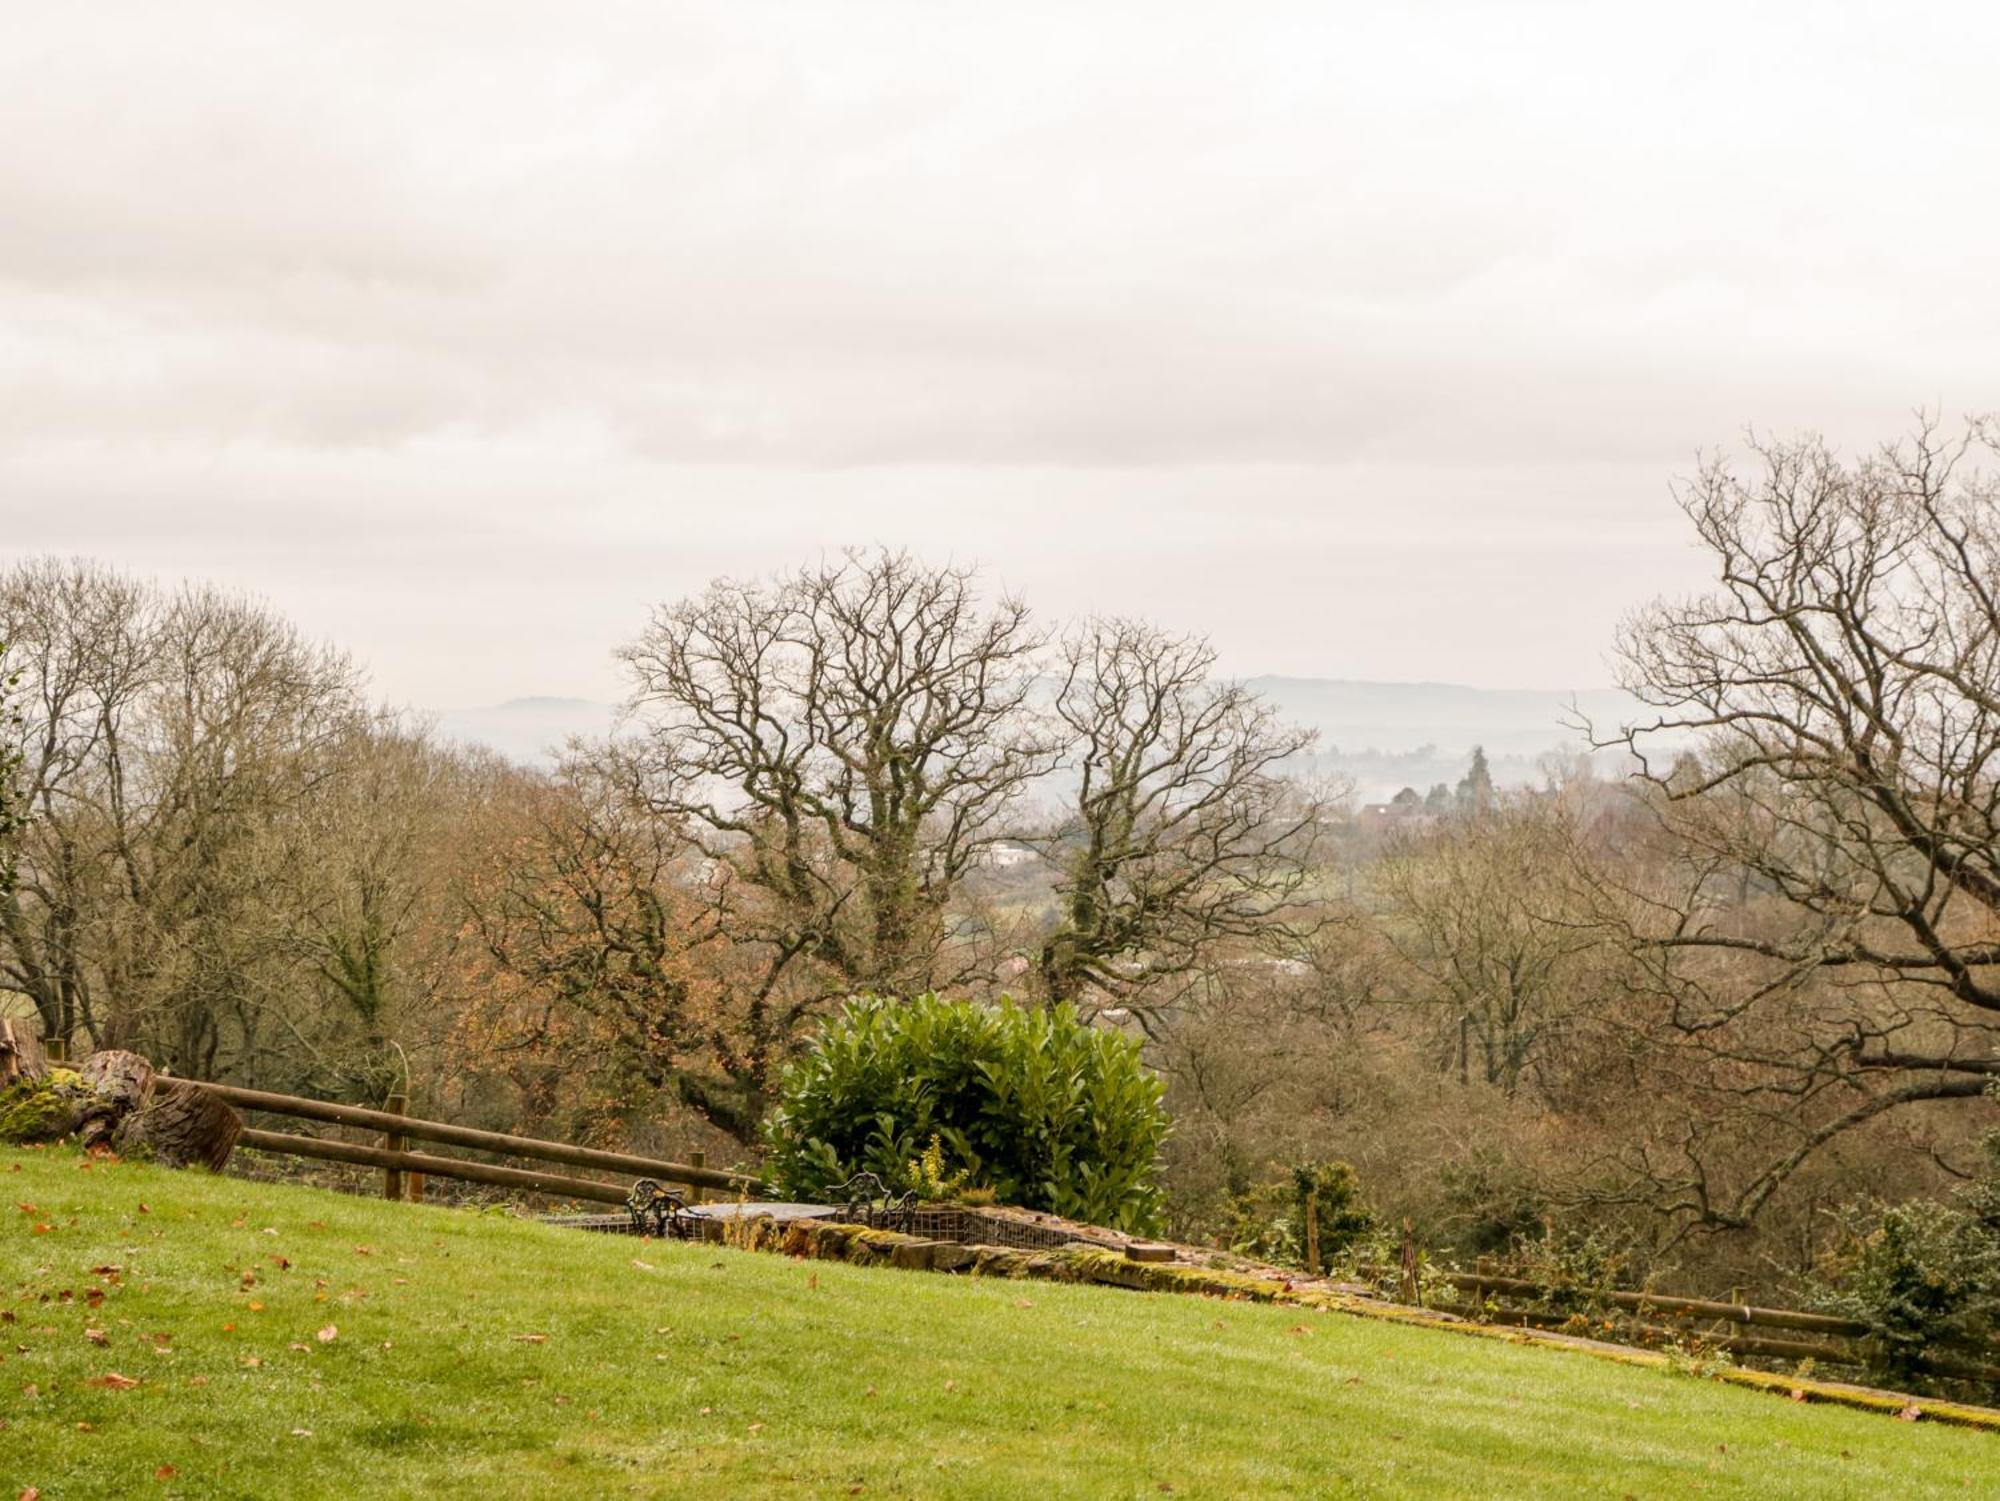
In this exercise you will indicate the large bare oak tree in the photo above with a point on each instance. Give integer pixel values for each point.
(1185, 838)
(1825, 760)
(846, 740)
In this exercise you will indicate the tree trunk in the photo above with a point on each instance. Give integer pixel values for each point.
(120, 1083)
(21, 1055)
(182, 1124)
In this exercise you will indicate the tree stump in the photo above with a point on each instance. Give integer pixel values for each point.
(120, 1083)
(182, 1124)
(21, 1055)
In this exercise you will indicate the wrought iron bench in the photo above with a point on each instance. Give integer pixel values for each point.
(870, 1203)
(655, 1209)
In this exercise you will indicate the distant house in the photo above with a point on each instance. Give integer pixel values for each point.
(1403, 811)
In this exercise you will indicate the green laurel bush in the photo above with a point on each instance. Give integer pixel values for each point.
(1036, 1106)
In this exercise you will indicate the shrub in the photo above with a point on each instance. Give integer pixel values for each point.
(1039, 1107)
(1488, 1204)
(1924, 1274)
(1271, 1221)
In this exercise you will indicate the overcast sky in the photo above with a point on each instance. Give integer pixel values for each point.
(1366, 338)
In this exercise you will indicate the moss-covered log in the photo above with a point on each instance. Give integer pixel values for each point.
(114, 1098)
(47, 1107)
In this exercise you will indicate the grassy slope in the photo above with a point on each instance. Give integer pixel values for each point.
(709, 1372)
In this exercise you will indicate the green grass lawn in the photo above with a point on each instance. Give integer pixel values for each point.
(291, 1343)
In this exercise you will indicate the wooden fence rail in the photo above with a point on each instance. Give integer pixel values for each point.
(556, 1185)
(397, 1128)
(1488, 1303)
(1479, 1284)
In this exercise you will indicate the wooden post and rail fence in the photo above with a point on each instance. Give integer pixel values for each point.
(1657, 1318)
(404, 1171)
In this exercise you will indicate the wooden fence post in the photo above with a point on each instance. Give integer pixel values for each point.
(392, 1177)
(415, 1182)
(1313, 1264)
(1412, 1289)
(696, 1159)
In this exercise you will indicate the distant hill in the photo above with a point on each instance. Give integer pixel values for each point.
(1385, 736)
(1379, 736)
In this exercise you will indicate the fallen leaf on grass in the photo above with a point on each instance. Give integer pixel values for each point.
(29, 1493)
(644, 1266)
(115, 1382)
(1910, 1414)
(328, 1335)
(251, 1361)
(165, 1472)
(302, 1433)
(756, 1427)
(531, 1339)
(96, 1336)
(1024, 1302)
(254, 1306)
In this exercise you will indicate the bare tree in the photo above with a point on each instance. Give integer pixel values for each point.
(1825, 760)
(163, 735)
(1481, 910)
(12, 728)
(846, 740)
(1185, 839)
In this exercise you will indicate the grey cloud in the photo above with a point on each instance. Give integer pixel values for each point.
(1223, 301)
